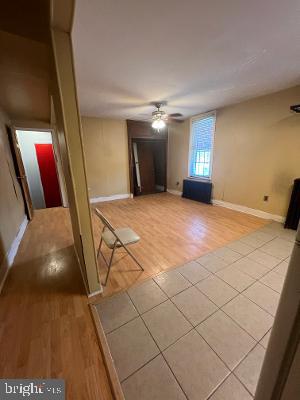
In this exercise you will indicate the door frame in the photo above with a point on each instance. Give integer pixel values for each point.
(58, 162)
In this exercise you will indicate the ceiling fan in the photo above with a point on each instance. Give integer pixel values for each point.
(160, 117)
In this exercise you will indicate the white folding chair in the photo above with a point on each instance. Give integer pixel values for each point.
(115, 238)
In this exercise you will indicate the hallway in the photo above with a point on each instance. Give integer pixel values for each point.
(46, 330)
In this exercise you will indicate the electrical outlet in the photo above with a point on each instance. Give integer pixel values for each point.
(266, 198)
(177, 183)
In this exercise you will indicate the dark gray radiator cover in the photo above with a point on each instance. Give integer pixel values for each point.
(197, 190)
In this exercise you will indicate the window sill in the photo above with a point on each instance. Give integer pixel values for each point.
(199, 178)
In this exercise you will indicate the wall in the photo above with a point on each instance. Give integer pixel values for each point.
(24, 78)
(256, 152)
(106, 154)
(11, 202)
(178, 151)
(27, 140)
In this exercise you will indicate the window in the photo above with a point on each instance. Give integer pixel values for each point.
(201, 145)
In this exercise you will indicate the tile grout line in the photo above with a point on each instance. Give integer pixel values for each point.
(171, 344)
(242, 383)
(121, 326)
(163, 301)
(175, 377)
(269, 331)
(130, 320)
(161, 352)
(139, 368)
(231, 373)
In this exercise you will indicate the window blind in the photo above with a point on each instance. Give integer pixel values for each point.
(202, 132)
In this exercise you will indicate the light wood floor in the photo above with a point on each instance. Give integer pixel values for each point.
(173, 231)
(46, 330)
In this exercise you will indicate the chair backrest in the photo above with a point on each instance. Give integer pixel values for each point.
(104, 220)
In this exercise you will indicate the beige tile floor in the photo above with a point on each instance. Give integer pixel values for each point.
(201, 330)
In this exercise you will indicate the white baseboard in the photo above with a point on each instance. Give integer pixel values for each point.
(247, 210)
(10, 256)
(176, 192)
(110, 198)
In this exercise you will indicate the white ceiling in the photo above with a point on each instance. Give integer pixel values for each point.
(198, 55)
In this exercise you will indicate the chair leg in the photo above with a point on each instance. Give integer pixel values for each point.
(133, 257)
(99, 248)
(110, 262)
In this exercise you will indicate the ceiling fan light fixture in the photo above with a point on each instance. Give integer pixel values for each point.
(159, 118)
(158, 124)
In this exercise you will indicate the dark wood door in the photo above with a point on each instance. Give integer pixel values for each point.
(146, 167)
(142, 131)
(20, 171)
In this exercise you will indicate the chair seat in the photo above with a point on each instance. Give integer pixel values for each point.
(127, 235)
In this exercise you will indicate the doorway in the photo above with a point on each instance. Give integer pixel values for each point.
(148, 151)
(38, 157)
(149, 169)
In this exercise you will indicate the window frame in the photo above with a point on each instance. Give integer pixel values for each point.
(197, 117)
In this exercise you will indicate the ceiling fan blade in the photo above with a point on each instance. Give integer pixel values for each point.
(178, 121)
(176, 115)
